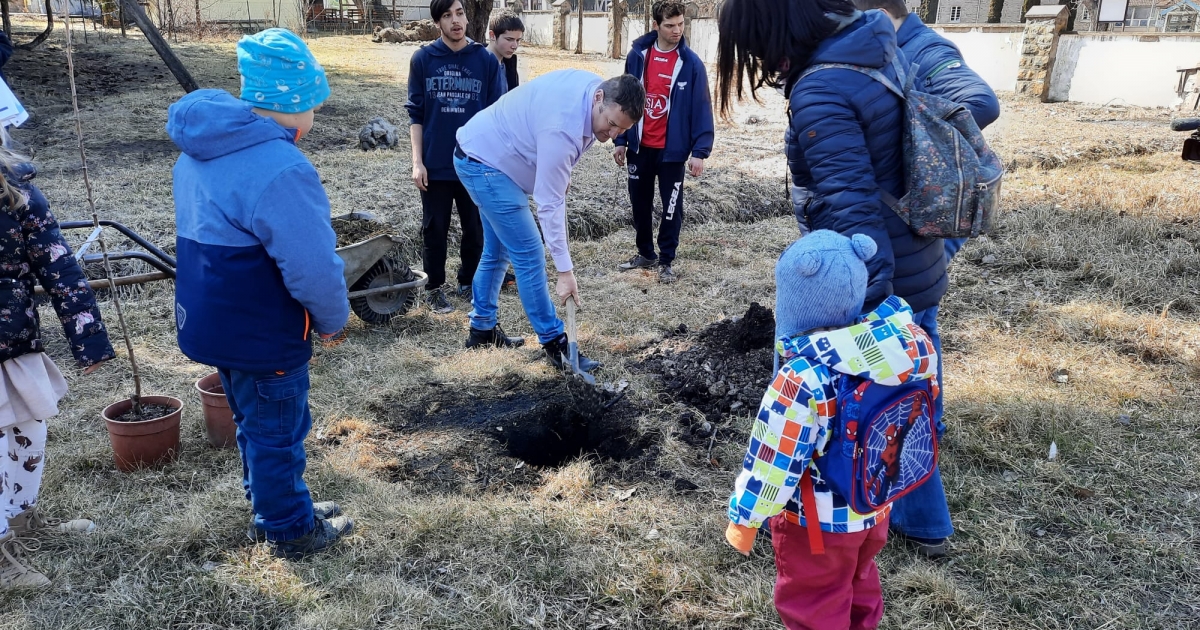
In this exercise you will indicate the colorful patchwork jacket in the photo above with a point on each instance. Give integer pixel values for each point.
(793, 421)
(32, 251)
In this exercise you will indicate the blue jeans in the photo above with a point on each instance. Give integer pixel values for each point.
(510, 234)
(272, 417)
(924, 513)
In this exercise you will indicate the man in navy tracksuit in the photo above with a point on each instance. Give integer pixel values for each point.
(923, 516)
(676, 134)
(449, 81)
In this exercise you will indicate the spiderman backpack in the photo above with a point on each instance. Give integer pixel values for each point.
(882, 445)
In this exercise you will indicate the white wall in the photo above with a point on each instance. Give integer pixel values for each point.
(539, 28)
(704, 39)
(595, 32)
(994, 54)
(1111, 67)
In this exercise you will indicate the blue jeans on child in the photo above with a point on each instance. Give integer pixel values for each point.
(924, 513)
(510, 234)
(272, 417)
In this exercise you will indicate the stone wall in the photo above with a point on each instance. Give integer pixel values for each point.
(1038, 49)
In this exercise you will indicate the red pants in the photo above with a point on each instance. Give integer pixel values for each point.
(834, 591)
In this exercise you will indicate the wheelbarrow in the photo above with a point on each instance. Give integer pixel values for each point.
(381, 287)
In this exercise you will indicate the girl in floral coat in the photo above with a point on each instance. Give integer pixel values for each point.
(33, 252)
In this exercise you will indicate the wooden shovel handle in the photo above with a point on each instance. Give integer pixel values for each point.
(571, 320)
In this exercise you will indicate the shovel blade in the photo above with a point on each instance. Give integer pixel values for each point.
(574, 362)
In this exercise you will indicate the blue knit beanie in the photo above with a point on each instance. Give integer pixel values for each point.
(820, 282)
(279, 72)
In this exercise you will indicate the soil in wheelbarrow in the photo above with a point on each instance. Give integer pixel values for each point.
(724, 369)
(351, 231)
(505, 437)
(149, 412)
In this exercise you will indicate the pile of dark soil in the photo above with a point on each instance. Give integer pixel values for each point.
(723, 369)
(351, 231)
(448, 440)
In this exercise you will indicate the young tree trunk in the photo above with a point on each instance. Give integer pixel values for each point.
(479, 13)
(579, 35)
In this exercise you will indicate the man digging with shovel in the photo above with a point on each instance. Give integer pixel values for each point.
(528, 143)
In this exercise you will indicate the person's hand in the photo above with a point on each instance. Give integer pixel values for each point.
(93, 367)
(333, 340)
(619, 155)
(567, 288)
(420, 177)
(695, 166)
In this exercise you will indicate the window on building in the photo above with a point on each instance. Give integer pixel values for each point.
(1138, 16)
(955, 14)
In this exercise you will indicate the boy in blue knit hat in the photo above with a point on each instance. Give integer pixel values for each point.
(257, 273)
(825, 549)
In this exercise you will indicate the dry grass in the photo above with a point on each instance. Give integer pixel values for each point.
(1094, 271)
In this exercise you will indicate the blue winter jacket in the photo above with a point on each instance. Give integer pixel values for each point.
(256, 263)
(844, 146)
(942, 72)
(690, 119)
(445, 89)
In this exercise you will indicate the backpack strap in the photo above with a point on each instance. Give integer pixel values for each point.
(812, 520)
(871, 72)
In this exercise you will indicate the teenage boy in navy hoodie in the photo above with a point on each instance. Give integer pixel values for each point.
(449, 81)
(677, 129)
(257, 271)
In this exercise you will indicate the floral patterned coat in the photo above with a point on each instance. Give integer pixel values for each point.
(32, 250)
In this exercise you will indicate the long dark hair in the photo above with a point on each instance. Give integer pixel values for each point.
(769, 42)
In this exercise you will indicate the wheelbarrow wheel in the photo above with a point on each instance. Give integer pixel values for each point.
(382, 307)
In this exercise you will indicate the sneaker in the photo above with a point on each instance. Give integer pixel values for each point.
(666, 275)
(324, 509)
(31, 521)
(510, 281)
(638, 262)
(559, 354)
(438, 303)
(463, 292)
(13, 573)
(327, 532)
(493, 337)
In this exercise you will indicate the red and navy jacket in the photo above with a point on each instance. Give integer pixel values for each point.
(690, 121)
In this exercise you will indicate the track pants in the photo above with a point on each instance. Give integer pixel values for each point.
(644, 166)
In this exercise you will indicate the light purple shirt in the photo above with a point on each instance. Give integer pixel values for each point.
(535, 135)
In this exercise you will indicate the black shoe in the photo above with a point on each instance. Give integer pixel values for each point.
(510, 281)
(324, 509)
(437, 302)
(493, 337)
(666, 275)
(559, 353)
(327, 532)
(638, 262)
(932, 548)
(464, 291)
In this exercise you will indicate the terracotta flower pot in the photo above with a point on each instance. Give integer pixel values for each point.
(147, 443)
(218, 417)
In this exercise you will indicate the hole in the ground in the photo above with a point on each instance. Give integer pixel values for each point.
(554, 432)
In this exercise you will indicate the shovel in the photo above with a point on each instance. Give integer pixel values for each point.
(573, 344)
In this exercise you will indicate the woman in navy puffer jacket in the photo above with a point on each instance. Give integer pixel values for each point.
(844, 139)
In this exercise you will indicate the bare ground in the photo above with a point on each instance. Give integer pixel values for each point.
(1094, 274)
